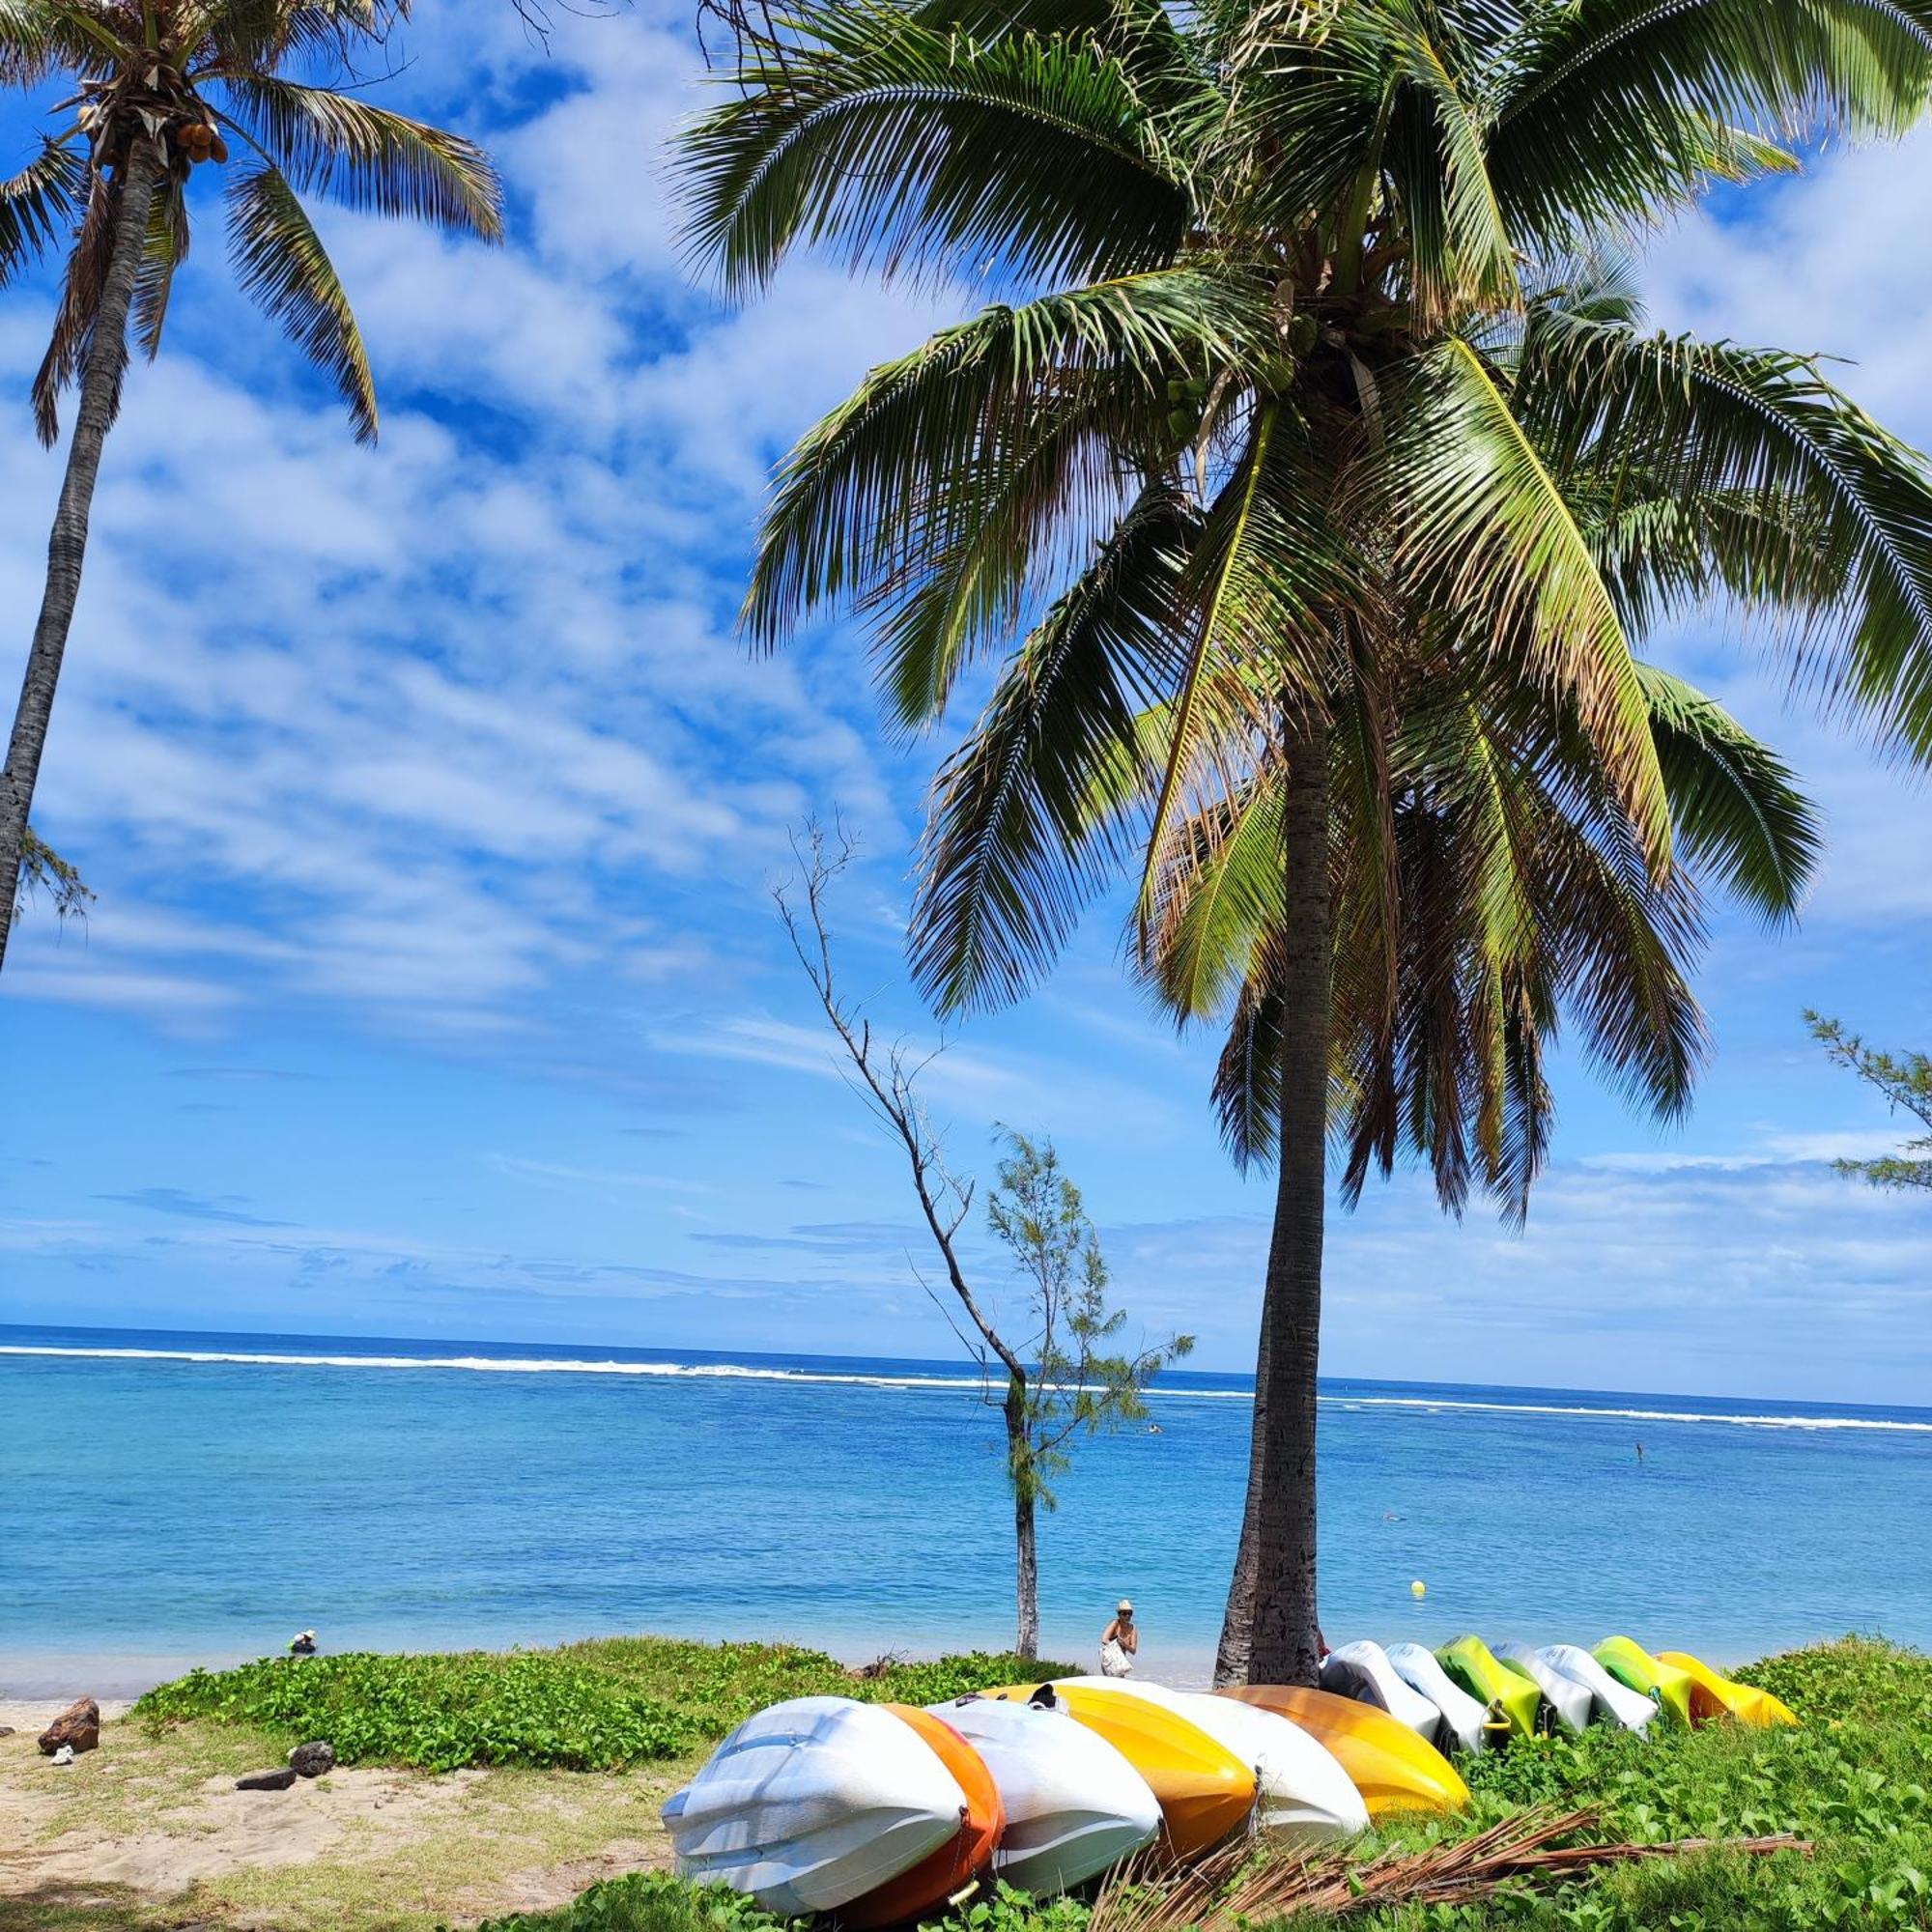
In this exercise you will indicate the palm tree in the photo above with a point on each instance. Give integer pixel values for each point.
(1289, 382)
(155, 90)
(1482, 884)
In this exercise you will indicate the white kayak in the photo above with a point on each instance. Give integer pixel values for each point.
(813, 1804)
(1462, 1718)
(1572, 1701)
(1302, 1793)
(1361, 1670)
(1615, 1701)
(1074, 1805)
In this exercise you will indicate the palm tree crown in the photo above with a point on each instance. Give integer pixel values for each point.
(186, 82)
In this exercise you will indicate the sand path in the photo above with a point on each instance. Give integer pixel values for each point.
(149, 1830)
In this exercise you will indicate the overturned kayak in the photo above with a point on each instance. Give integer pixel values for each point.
(1570, 1702)
(1394, 1771)
(813, 1804)
(1205, 1792)
(1362, 1671)
(1075, 1805)
(1301, 1792)
(1675, 1692)
(1745, 1702)
(1613, 1701)
(952, 1870)
(1510, 1699)
(1463, 1720)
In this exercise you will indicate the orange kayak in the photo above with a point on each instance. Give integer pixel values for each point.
(959, 1863)
(1745, 1702)
(1393, 1768)
(1205, 1792)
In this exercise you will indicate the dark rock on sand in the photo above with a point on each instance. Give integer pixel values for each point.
(312, 1760)
(78, 1726)
(266, 1781)
(6, 1730)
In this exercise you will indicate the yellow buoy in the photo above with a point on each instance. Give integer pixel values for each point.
(1419, 1588)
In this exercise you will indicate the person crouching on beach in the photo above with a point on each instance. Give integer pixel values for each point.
(1119, 1642)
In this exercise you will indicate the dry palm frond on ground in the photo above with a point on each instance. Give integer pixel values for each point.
(1241, 1886)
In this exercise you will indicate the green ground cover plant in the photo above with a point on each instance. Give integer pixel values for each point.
(1853, 1779)
(594, 1706)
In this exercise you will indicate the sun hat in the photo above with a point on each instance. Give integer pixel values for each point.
(1125, 1605)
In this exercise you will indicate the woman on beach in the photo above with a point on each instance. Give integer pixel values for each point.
(1119, 1642)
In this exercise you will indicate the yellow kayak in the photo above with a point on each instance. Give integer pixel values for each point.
(1683, 1699)
(1393, 1768)
(1745, 1702)
(1205, 1792)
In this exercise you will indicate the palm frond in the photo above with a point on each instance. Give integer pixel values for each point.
(899, 475)
(1486, 529)
(349, 150)
(1026, 816)
(166, 248)
(906, 148)
(282, 265)
(1735, 803)
(38, 206)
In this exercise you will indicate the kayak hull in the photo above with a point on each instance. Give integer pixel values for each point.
(1362, 1671)
(1678, 1694)
(963, 1860)
(1508, 1696)
(813, 1804)
(1463, 1719)
(1570, 1702)
(1075, 1805)
(1302, 1793)
(1396, 1772)
(1613, 1701)
(1745, 1702)
(1205, 1792)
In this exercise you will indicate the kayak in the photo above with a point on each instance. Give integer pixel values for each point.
(1510, 1699)
(1675, 1692)
(1361, 1671)
(1610, 1698)
(1463, 1719)
(1570, 1702)
(1745, 1702)
(1205, 1792)
(1075, 1805)
(951, 1872)
(814, 1803)
(1394, 1770)
(1302, 1793)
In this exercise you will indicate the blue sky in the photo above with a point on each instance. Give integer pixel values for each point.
(433, 987)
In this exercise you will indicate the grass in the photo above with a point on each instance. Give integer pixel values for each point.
(1853, 1779)
(597, 1706)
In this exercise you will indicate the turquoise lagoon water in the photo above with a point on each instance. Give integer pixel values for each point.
(173, 1498)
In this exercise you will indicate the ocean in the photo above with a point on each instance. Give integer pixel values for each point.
(169, 1499)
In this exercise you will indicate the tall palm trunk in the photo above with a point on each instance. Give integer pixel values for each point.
(1285, 1647)
(1238, 1622)
(67, 547)
(1026, 1569)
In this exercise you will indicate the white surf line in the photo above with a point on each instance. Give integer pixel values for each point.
(741, 1371)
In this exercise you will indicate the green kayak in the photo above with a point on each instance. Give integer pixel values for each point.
(1508, 1696)
(1678, 1694)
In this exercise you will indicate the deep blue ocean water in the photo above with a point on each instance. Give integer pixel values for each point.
(172, 1498)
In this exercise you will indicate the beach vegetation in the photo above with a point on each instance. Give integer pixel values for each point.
(1301, 366)
(1905, 1080)
(1052, 1366)
(593, 1706)
(1850, 1784)
(149, 97)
